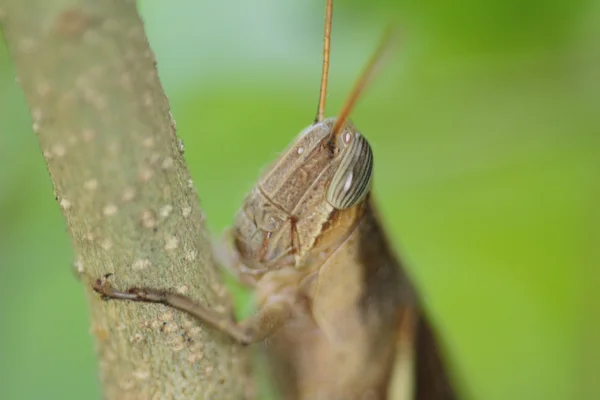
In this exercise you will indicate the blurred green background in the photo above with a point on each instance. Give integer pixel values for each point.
(485, 128)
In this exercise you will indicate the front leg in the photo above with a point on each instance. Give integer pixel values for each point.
(228, 259)
(259, 326)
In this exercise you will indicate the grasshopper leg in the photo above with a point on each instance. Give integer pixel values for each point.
(227, 259)
(251, 330)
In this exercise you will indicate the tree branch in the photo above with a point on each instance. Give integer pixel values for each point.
(120, 178)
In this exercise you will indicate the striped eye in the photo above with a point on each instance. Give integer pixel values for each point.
(352, 180)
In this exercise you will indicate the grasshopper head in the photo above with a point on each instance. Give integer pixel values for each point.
(311, 194)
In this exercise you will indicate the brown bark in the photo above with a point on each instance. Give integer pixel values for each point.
(119, 175)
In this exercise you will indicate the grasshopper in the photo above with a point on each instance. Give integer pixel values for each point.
(341, 316)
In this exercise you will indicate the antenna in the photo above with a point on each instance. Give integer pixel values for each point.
(363, 80)
(326, 52)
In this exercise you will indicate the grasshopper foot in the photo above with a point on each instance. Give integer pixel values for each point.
(107, 292)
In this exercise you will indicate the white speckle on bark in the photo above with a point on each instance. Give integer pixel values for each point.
(220, 309)
(47, 154)
(90, 184)
(137, 338)
(195, 356)
(106, 244)
(59, 150)
(88, 135)
(178, 344)
(167, 163)
(65, 204)
(183, 289)
(145, 174)
(219, 289)
(43, 88)
(140, 264)
(141, 374)
(180, 145)
(190, 184)
(109, 210)
(171, 243)
(155, 324)
(195, 331)
(78, 264)
(186, 211)
(169, 328)
(190, 255)
(166, 211)
(128, 194)
(173, 123)
(148, 219)
(36, 114)
(148, 142)
(154, 157)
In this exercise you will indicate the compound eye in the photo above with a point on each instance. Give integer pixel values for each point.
(352, 180)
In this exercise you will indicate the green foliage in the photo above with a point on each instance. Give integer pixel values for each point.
(485, 132)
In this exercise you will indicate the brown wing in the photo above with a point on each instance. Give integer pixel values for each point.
(432, 381)
(419, 372)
